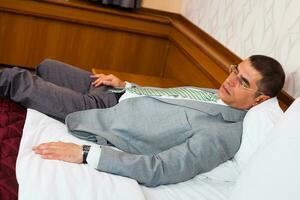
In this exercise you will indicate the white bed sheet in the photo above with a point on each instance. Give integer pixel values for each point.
(41, 179)
(214, 185)
(48, 179)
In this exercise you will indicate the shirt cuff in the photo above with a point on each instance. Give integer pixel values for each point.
(94, 156)
(128, 85)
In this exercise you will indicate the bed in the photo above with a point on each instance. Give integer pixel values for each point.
(44, 179)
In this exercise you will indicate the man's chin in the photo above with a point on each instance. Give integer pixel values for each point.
(224, 96)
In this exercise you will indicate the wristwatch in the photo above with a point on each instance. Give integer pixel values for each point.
(85, 152)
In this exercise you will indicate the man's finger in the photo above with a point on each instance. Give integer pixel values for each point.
(97, 80)
(51, 157)
(46, 145)
(46, 150)
(107, 82)
(97, 83)
(96, 75)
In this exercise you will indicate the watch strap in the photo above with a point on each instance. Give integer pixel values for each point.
(85, 152)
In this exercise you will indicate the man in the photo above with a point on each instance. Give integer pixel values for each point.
(163, 139)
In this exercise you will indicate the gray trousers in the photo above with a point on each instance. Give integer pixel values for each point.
(56, 89)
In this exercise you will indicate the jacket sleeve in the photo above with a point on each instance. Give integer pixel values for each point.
(198, 154)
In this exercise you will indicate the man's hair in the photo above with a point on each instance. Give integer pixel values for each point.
(273, 76)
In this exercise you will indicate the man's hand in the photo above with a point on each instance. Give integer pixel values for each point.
(68, 152)
(109, 80)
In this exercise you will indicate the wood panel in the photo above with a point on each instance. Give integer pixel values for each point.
(142, 80)
(26, 39)
(180, 66)
(201, 50)
(85, 12)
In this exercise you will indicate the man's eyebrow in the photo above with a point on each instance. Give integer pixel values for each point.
(243, 78)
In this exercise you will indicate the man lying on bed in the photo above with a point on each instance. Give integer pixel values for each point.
(165, 136)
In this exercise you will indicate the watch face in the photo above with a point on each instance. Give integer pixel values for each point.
(86, 148)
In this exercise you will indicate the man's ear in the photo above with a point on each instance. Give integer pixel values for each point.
(260, 99)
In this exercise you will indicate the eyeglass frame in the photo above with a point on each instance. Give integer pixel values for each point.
(233, 69)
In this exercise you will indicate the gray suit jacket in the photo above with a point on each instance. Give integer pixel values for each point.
(162, 141)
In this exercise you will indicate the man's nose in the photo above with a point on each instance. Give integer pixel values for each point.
(233, 80)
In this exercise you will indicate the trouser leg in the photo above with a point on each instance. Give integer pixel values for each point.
(33, 92)
(65, 75)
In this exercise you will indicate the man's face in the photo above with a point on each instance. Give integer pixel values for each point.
(233, 91)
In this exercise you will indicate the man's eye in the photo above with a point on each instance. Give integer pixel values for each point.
(244, 84)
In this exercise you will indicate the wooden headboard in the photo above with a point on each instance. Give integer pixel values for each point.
(146, 42)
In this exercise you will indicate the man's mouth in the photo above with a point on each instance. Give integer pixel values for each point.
(225, 89)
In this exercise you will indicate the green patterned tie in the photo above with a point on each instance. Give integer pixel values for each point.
(183, 92)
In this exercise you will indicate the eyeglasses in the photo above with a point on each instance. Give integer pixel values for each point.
(233, 69)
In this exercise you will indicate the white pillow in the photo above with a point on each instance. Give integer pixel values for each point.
(258, 121)
(274, 172)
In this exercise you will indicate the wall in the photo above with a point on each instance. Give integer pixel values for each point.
(174, 6)
(246, 27)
